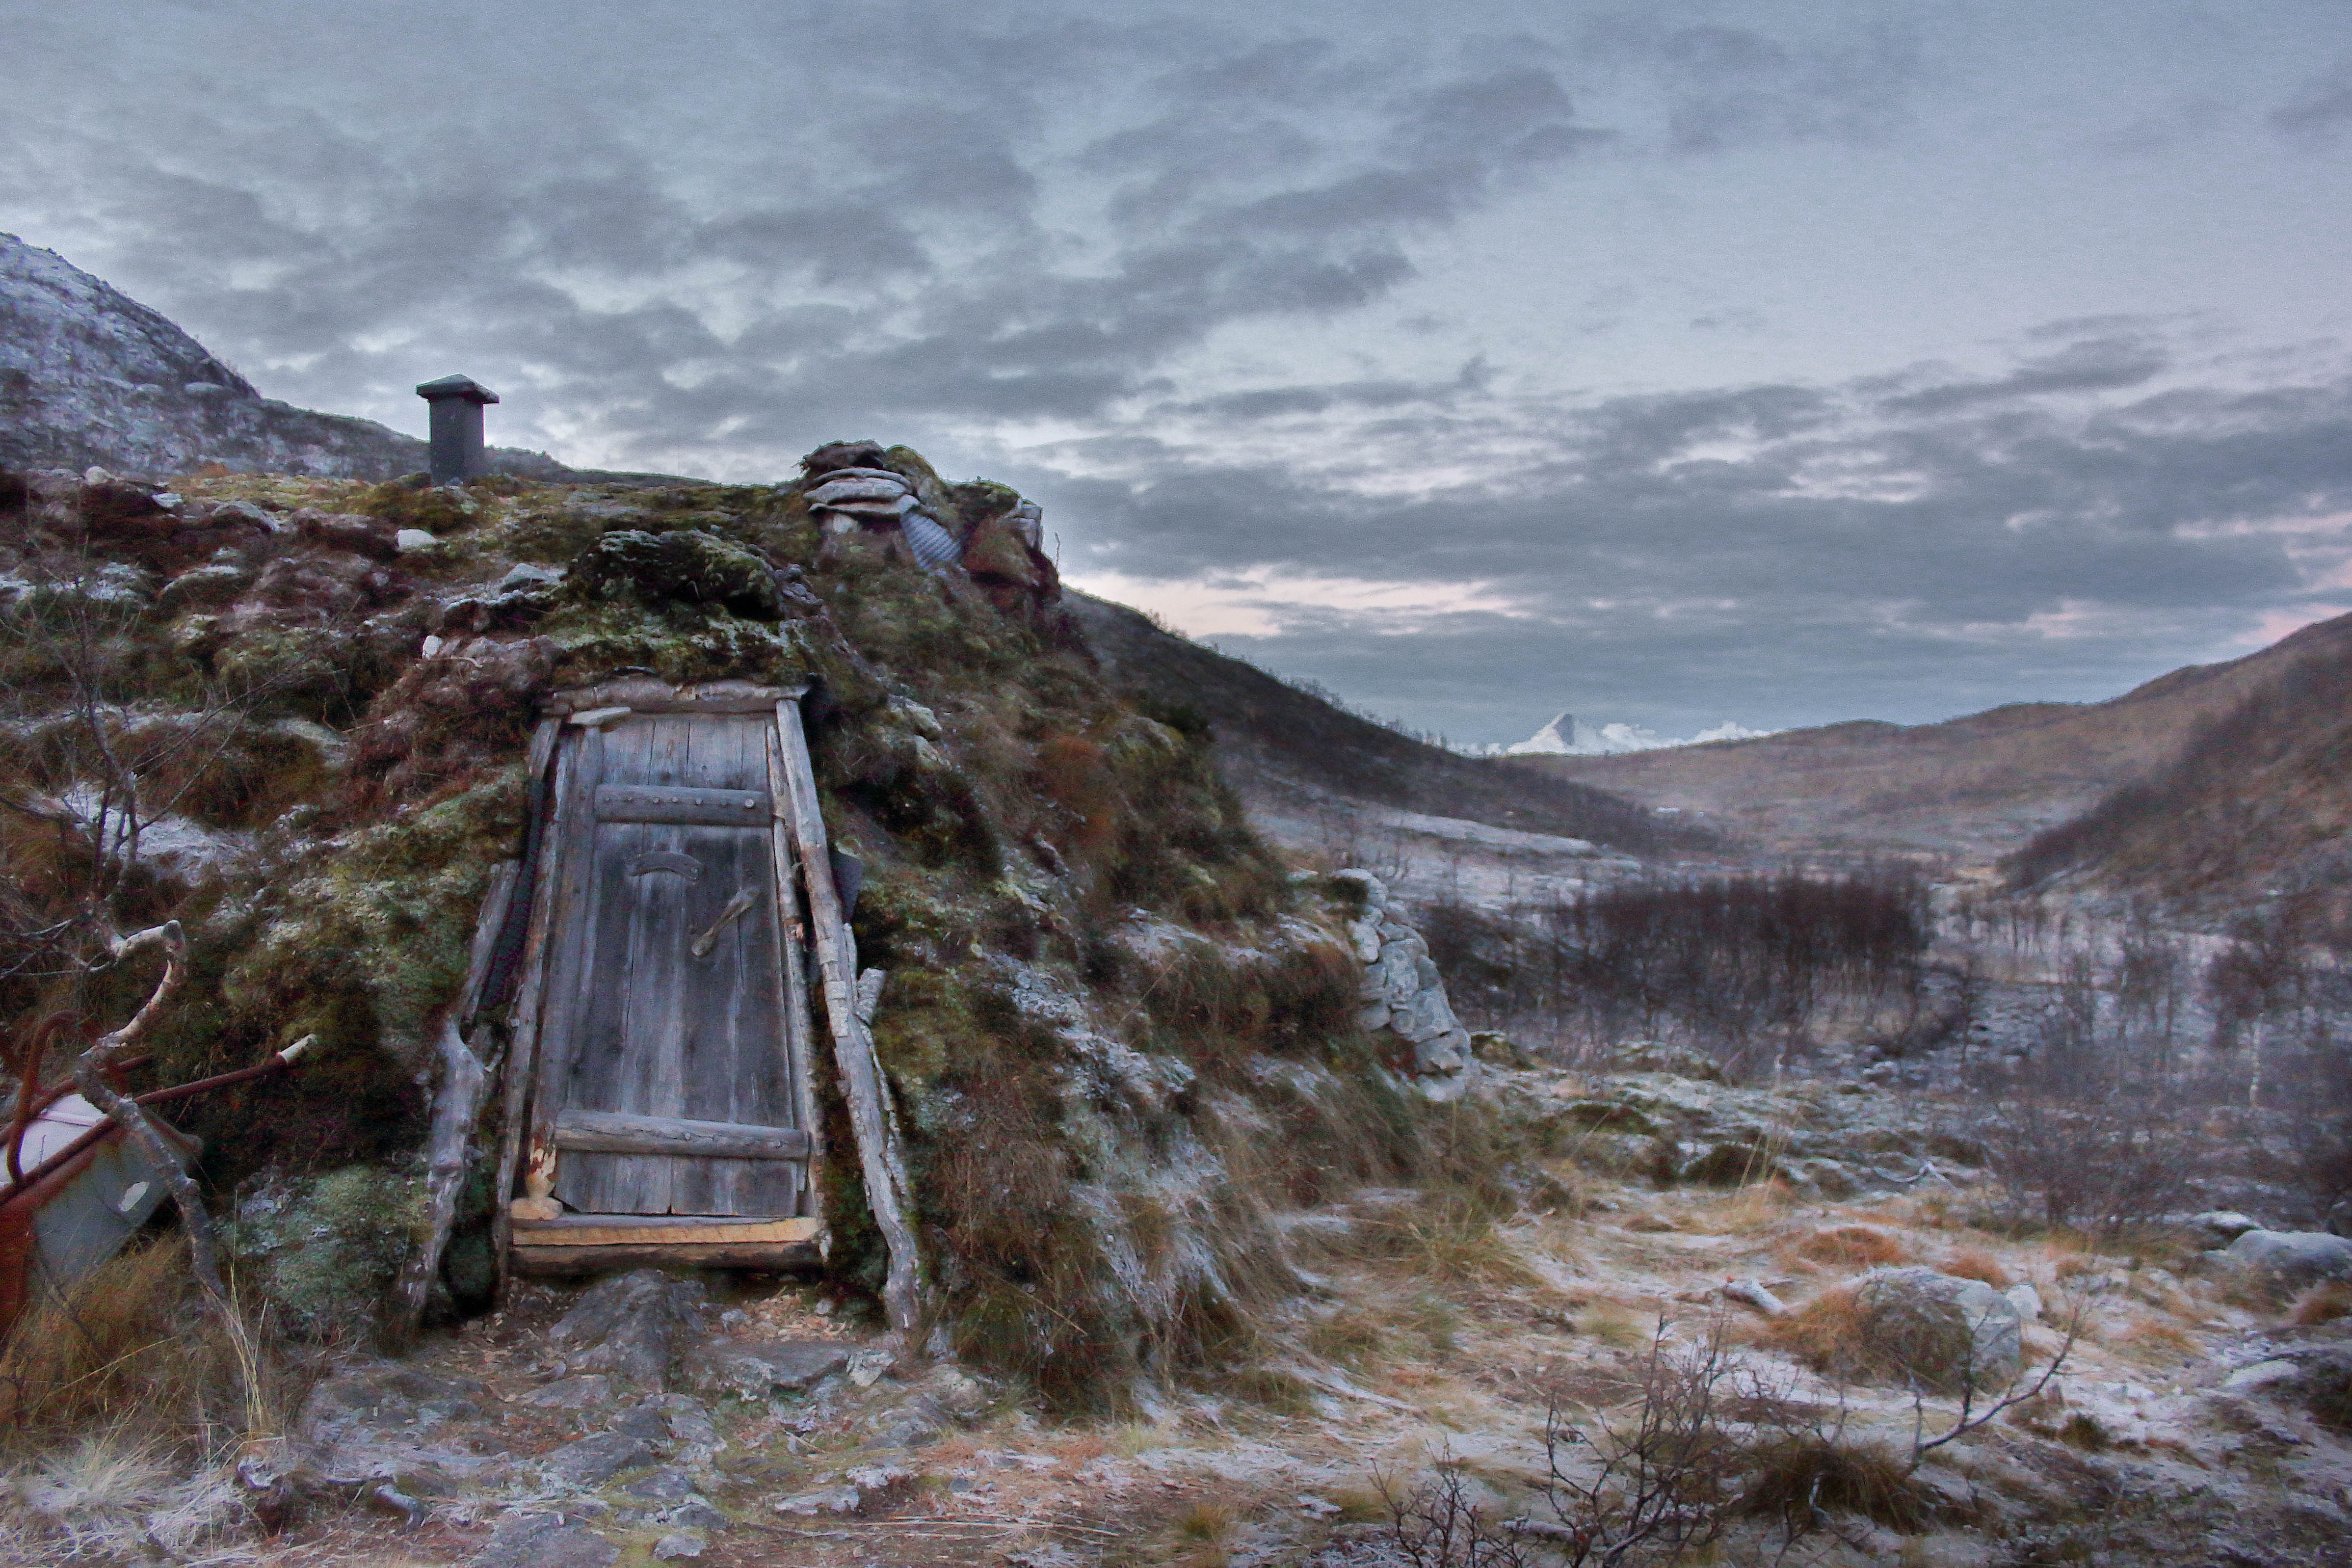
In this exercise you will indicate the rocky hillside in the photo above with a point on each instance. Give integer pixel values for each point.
(1976, 787)
(1318, 778)
(290, 714)
(2256, 805)
(91, 378)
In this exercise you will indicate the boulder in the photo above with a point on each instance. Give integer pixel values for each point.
(2290, 1259)
(758, 1371)
(666, 1485)
(630, 1326)
(685, 564)
(541, 1541)
(835, 456)
(1946, 1333)
(592, 1461)
(2219, 1227)
(881, 490)
(580, 1392)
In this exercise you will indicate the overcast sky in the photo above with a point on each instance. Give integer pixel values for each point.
(1665, 363)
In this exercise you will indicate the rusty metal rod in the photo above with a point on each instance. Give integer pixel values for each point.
(278, 1061)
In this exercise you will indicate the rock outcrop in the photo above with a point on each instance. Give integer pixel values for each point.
(1403, 994)
(984, 534)
(89, 377)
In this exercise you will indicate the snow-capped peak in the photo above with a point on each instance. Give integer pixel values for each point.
(1566, 736)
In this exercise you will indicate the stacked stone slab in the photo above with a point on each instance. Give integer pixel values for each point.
(878, 500)
(1403, 992)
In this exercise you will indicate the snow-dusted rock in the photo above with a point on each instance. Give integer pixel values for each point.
(91, 378)
(2290, 1259)
(2219, 1227)
(2263, 1374)
(1403, 992)
(1947, 1331)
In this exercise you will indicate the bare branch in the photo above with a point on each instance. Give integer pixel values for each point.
(1969, 1418)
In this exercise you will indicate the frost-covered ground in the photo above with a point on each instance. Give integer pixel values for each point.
(760, 1424)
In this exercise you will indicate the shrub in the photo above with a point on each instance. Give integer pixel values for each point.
(2322, 1303)
(1854, 1247)
(1975, 1263)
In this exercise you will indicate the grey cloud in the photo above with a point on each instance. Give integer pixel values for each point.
(910, 202)
(2096, 365)
(1269, 403)
(1727, 86)
(1649, 570)
(2321, 109)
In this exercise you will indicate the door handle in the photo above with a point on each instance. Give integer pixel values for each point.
(735, 908)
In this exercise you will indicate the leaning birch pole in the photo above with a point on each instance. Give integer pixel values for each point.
(90, 1072)
(852, 1044)
(456, 1105)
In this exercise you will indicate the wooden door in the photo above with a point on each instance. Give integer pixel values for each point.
(670, 1028)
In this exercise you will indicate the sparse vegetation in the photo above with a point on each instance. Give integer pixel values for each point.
(1749, 966)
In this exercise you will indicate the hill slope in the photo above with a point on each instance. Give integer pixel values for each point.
(89, 377)
(1976, 787)
(1287, 750)
(2258, 802)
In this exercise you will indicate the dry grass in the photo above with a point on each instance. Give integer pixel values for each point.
(1211, 1518)
(1757, 1206)
(2151, 1339)
(1825, 1333)
(1800, 1473)
(116, 1343)
(1854, 1247)
(1352, 1337)
(2322, 1304)
(111, 1497)
(1975, 1263)
(1444, 1235)
(1614, 1324)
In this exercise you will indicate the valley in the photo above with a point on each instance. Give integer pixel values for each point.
(1231, 1132)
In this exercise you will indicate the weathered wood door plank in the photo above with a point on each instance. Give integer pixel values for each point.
(681, 833)
(613, 1132)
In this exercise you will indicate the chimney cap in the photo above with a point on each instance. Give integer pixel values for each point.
(464, 387)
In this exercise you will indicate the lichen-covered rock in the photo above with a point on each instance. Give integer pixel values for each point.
(544, 1541)
(325, 1248)
(592, 1461)
(757, 1370)
(1942, 1331)
(686, 564)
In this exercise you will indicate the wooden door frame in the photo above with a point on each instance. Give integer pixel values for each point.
(564, 856)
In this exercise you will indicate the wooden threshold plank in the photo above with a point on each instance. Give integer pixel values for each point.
(624, 1132)
(562, 1260)
(650, 1230)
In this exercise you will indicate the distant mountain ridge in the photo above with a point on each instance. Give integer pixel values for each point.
(91, 377)
(1566, 735)
(1283, 748)
(1977, 788)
